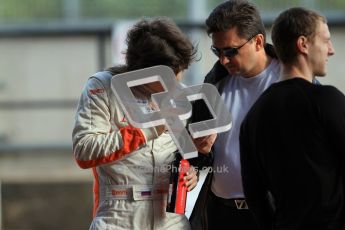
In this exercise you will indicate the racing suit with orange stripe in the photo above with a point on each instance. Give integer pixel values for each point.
(130, 165)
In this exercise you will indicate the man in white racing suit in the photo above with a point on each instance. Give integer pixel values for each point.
(131, 165)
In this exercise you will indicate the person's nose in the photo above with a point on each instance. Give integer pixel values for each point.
(223, 59)
(331, 50)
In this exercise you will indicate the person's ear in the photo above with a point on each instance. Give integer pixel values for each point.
(302, 44)
(259, 41)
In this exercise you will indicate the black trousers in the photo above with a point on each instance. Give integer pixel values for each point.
(225, 213)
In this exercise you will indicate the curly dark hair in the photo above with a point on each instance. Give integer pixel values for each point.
(157, 41)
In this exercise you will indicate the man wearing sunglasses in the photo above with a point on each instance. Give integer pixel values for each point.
(247, 65)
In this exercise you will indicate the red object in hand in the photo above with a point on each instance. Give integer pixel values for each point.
(181, 194)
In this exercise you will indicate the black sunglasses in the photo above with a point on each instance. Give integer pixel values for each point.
(229, 52)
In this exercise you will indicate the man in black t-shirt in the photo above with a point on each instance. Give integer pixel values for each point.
(292, 141)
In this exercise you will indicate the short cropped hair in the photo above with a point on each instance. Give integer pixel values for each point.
(289, 26)
(239, 14)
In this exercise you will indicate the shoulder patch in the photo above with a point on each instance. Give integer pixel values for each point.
(96, 91)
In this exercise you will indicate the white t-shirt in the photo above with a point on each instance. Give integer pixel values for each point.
(239, 94)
